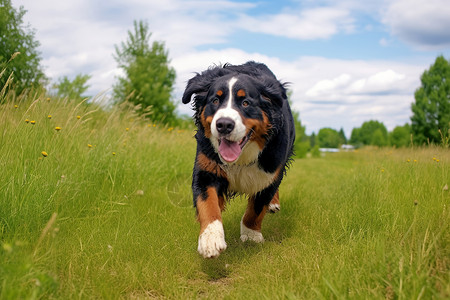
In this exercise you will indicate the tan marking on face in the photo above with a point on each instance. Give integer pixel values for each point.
(260, 129)
(206, 122)
(219, 93)
(241, 93)
(209, 209)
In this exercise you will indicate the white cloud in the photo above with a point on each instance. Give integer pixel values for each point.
(335, 93)
(328, 87)
(307, 24)
(382, 82)
(424, 24)
(79, 37)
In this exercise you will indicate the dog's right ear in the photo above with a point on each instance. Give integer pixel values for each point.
(198, 85)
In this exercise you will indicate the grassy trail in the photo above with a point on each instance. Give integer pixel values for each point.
(107, 213)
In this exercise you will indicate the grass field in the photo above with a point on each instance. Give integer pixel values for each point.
(97, 204)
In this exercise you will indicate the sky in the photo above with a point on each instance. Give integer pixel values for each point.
(346, 61)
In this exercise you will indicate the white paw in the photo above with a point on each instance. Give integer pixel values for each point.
(212, 240)
(273, 208)
(250, 234)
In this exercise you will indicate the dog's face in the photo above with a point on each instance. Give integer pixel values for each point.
(235, 111)
(234, 120)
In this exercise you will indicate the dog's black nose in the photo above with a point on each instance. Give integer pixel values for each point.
(224, 125)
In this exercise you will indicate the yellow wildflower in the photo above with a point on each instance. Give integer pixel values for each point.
(49, 116)
(48, 99)
(44, 154)
(27, 121)
(78, 117)
(57, 128)
(89, 145)
(408, 160)
(127, 129)
(33, 122)
(114, 153)
(16, 106)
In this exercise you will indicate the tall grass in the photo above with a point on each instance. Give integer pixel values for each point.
(108, 214)
(105, 174)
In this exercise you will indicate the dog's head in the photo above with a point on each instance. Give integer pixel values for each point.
(236, 107)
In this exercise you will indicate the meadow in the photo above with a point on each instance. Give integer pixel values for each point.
(97, 204)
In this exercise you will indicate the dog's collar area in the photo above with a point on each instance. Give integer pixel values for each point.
(227, 166)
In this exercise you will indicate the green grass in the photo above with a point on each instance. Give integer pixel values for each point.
(85, 223)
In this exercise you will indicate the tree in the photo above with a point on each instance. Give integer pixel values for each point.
(328, 138)
(14, 37)
(72, 90)
(313, 140)
(400, 136)
(370, 133)
(378, 138)
(355, 138)
(301, 144)
(431, 109)
(148, 77)
(342, 138)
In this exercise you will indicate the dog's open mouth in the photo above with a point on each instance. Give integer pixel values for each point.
(229, 150)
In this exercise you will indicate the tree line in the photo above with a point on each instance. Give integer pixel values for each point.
(148, 82)
(430, 120)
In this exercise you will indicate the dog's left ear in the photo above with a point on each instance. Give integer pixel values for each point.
(273, 90)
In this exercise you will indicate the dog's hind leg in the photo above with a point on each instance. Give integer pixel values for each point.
(251, 222)
(274, 205)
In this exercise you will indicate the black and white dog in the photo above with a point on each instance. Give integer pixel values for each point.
(245, 141)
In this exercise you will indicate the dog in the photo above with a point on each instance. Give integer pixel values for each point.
(245, 137)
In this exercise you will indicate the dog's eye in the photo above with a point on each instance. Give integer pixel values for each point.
(215, 101)
(245, 103)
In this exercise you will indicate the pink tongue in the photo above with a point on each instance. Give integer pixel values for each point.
(229, 151)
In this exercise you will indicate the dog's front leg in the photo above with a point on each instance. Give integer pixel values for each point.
(211, 240)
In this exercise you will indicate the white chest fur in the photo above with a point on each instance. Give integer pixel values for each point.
(247, 179)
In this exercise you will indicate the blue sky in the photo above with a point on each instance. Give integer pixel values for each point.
(348, 61)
